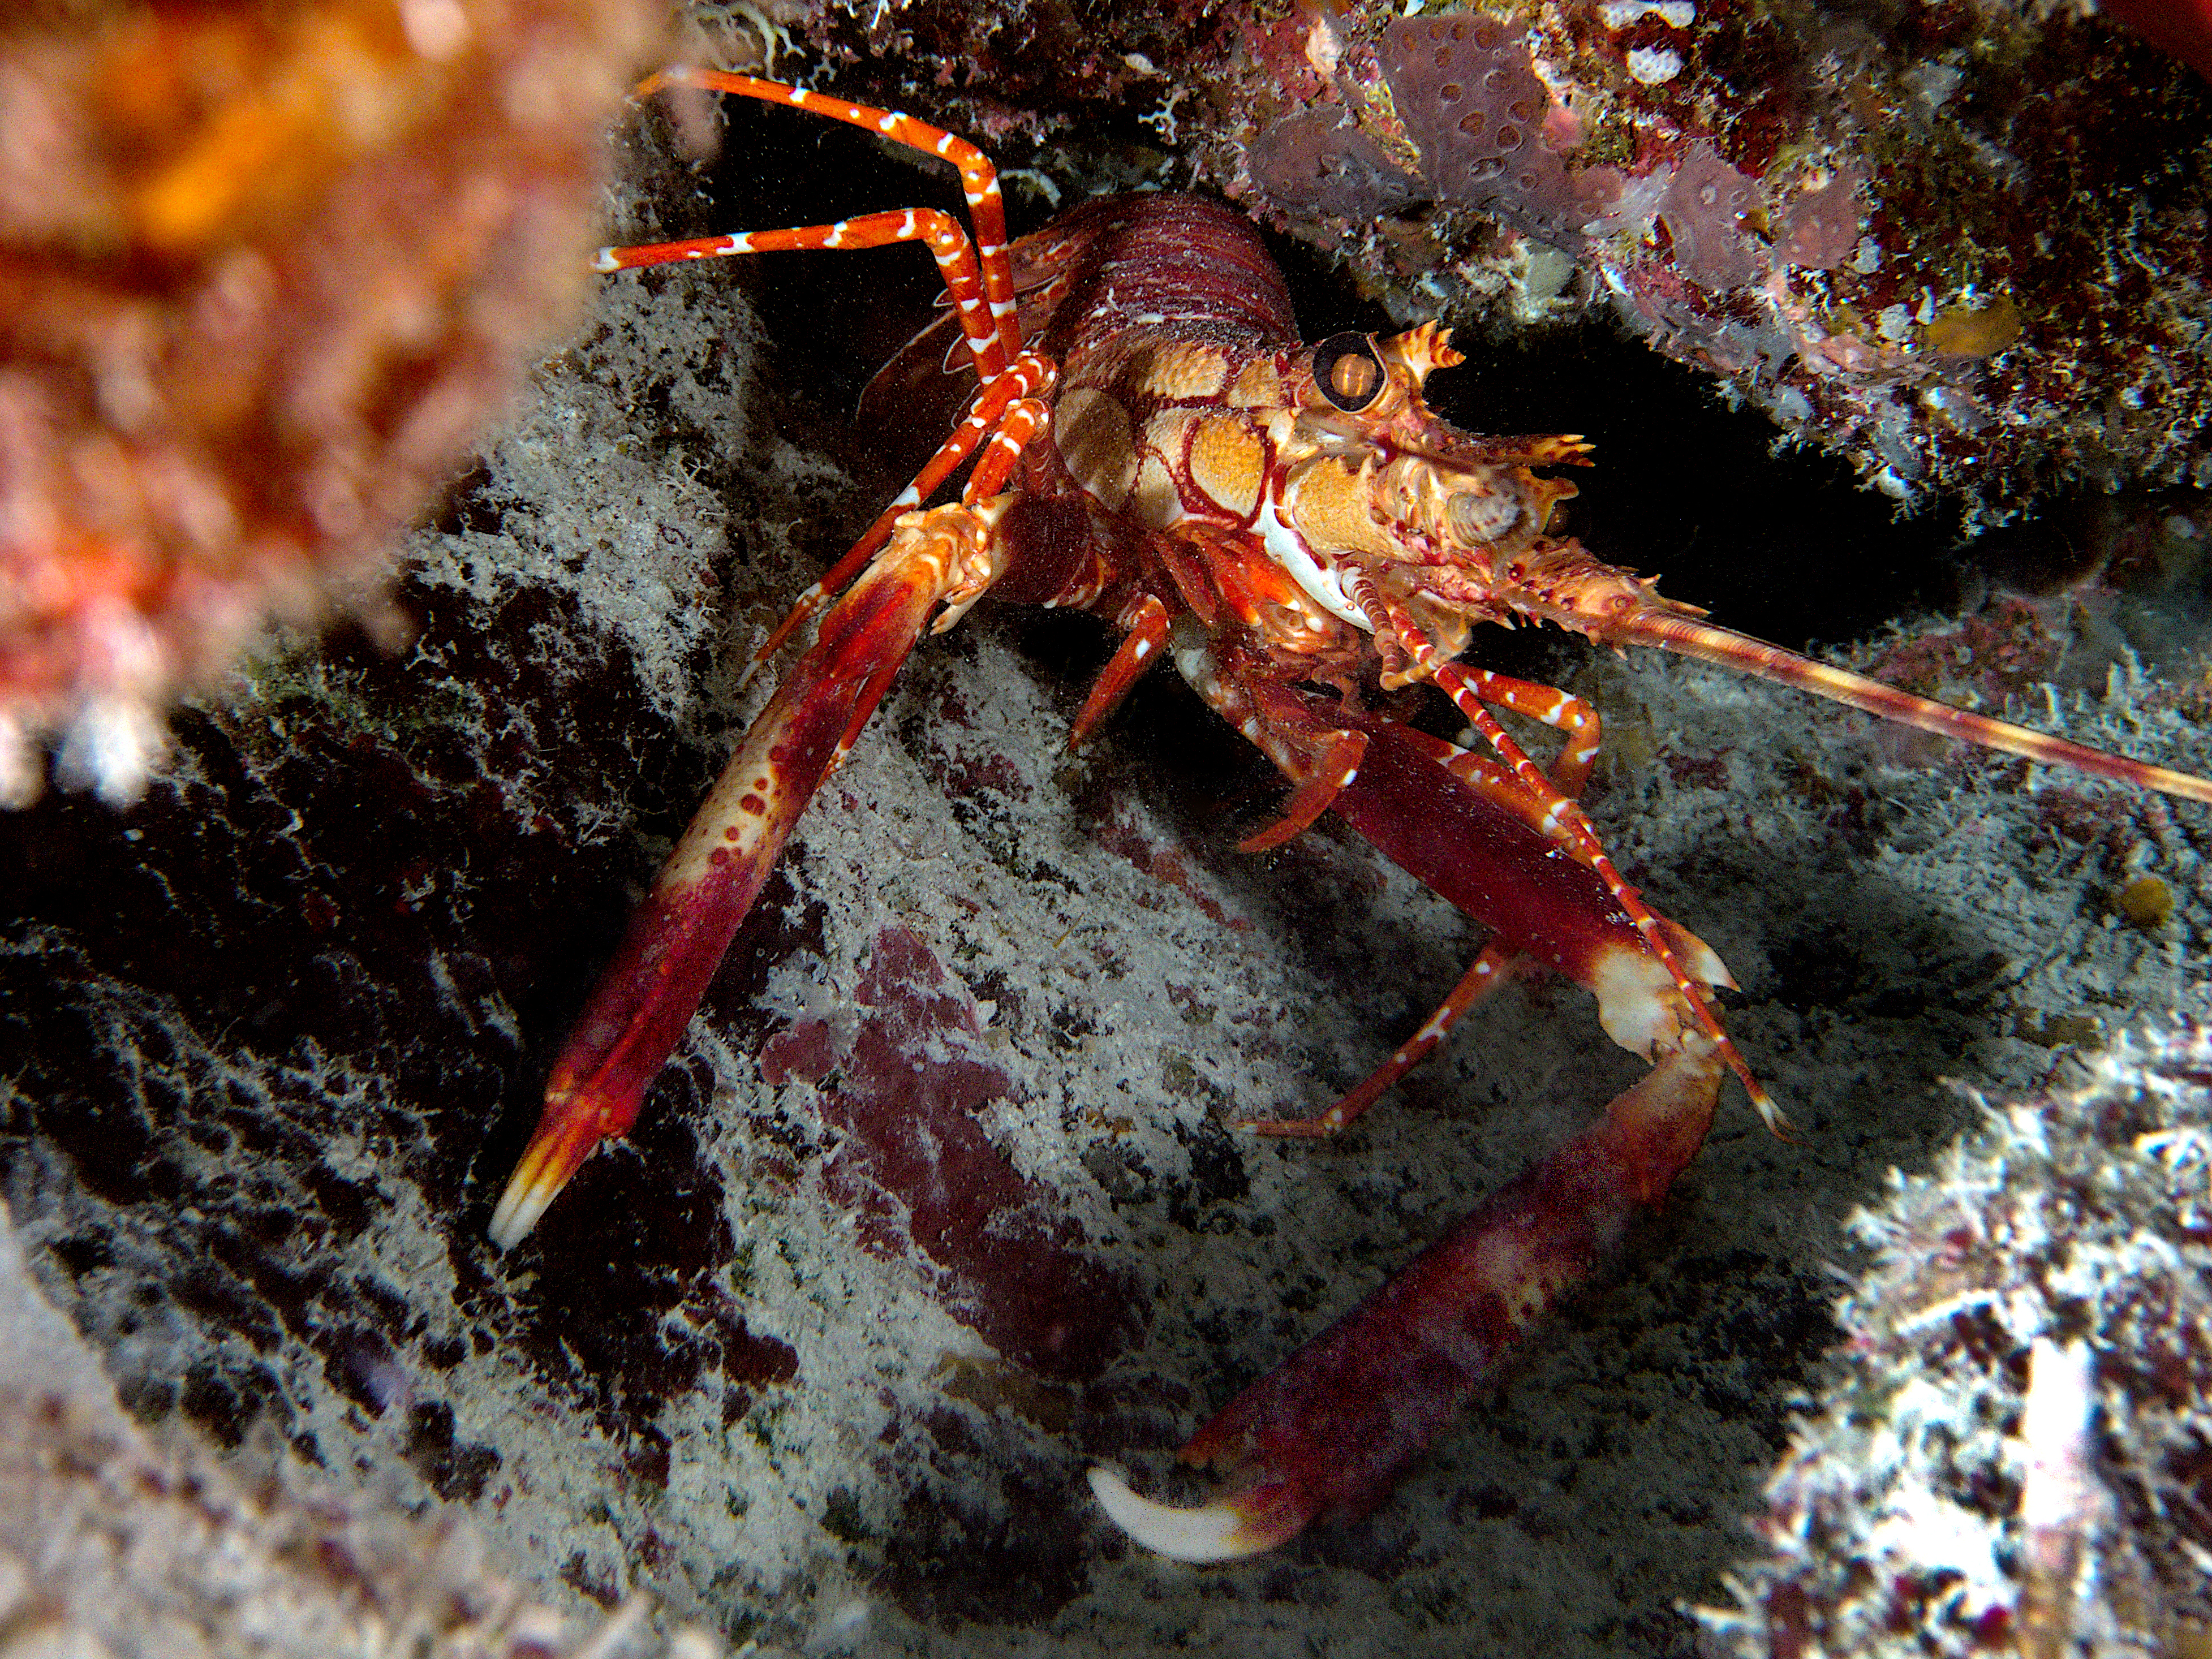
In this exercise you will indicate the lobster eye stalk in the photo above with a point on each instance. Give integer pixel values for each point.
(1348, 373)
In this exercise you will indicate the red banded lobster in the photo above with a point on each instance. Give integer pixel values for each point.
(1150, 440)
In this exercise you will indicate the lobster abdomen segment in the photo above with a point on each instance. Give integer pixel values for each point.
(1187, 269)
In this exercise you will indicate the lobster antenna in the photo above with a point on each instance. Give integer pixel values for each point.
(1730, 649)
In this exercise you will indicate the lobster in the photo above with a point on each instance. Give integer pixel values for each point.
(1149, 440)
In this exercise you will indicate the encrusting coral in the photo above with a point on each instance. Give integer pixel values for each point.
(265, 272)
(1906, 249)
(2014, 1447)
(1965, 247)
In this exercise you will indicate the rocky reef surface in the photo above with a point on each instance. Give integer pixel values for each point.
(940, 1201)
(116, 1544)
(1961, 242)
(2010, 1448)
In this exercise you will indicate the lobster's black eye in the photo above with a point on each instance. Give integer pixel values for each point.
(1347, 371)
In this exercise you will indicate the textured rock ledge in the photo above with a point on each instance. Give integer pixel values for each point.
(2011, 1445)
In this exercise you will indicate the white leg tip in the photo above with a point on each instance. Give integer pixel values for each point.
(520, 1207)
(1214, 1532)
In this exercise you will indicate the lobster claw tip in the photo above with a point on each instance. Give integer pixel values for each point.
(555, 1153)
(1220, 1531)
(520, 1207)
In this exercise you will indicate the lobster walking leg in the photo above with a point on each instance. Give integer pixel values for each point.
(945, 557)
(1584, 733)
(978, 281)
(949, 557)
(1494, 968)
(1490, 971)
(1331, 1430)
(976, 275)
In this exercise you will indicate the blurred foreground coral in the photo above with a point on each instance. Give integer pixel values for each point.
(267, 269)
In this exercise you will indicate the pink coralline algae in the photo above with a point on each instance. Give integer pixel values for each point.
(1470, 99)
(1703, 211)
(921, 1175)
(1970, 254)
(1822, 231)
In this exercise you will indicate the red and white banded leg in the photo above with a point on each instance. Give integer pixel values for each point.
(1563, 820)
(1496, 967)
(977, 274)
(1570, 715)
(909, 566)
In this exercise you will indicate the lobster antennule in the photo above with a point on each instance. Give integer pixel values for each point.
(1729, 649)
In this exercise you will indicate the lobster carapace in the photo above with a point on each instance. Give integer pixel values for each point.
(1151, 440)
